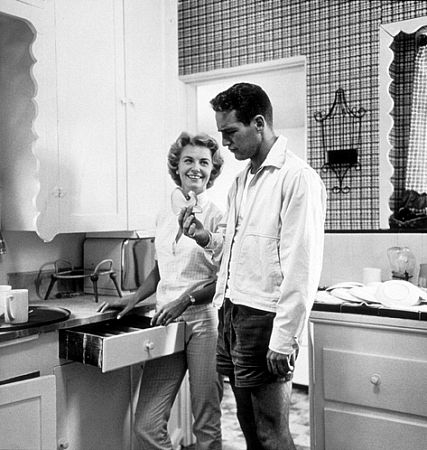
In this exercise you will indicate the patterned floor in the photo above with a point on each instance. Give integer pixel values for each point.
(299, 421)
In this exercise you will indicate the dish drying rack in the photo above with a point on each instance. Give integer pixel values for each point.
(103, 268)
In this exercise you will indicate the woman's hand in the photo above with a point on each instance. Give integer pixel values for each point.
(126, 304)
(167, 313)
(192, 227)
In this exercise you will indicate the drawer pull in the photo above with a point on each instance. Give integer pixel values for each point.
(375, 379)
(63, 443)
(149, 345)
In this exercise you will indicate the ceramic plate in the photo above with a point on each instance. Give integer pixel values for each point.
(326, 297)
(344, 285)
(365, 293)
(345, 294)
(395, 293)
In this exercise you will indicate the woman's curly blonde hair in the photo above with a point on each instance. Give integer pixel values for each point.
(202, 140)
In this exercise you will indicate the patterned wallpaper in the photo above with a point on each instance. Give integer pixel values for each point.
(340, 40)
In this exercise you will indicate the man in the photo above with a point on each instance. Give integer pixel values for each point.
(271, 249)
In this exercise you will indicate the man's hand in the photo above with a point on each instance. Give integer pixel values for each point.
(192, 227)
(280, 364)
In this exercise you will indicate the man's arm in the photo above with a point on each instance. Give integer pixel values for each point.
(301, 254)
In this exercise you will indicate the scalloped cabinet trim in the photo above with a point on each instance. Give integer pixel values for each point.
(387, 34)
(31, 125)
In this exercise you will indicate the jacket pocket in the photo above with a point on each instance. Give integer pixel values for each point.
(258, 270)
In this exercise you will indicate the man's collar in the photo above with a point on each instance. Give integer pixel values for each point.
(276, 156)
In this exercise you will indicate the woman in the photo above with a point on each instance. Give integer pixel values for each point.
(184, 281)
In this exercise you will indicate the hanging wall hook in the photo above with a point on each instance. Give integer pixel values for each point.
(341, 129)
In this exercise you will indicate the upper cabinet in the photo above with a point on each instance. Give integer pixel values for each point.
(28, 108)
(98, 78)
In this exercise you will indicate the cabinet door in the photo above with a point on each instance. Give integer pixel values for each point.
(28, 119)
(93, 408)
(153, 108)
(27, 414)
(91, 159)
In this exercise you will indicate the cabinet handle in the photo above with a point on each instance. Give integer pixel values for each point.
(376, 379)
(127, 101)
(63, 443)
(58, 192)
(149, 345)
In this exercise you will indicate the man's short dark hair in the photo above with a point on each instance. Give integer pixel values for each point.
(248, 100)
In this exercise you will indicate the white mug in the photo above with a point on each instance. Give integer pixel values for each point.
(371, 275)
(4, 293)
(16, 306)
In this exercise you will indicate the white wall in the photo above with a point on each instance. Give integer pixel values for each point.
(26, 252)
(347, 253)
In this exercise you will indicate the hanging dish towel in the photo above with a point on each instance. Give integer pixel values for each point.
(416, 170)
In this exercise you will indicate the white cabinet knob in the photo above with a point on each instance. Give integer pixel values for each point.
(149, 345)
(63, 443)
(376, 379)
(127, 101)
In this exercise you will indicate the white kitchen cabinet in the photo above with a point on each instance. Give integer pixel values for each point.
(96, 410)
(90, 186)
(47, 402)
(28, 120)
(116, 349)
(154, 107)
(91, 155)
(367, 382)
(27, 392)
(28, 414)
(93, 408)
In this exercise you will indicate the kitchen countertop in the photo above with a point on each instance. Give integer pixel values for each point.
(373, 309)
(83, 311)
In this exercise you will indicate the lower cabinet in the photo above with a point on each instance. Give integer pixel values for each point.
(97, 393)
(49, 403)
(367, 382)
(93, 409)
(27, 392)
(28, 415)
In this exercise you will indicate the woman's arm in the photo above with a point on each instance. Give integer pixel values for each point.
(166, 314)
(147, 288)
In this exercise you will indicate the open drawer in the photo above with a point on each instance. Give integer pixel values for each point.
(119, 343)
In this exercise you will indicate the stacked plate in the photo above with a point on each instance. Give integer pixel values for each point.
(398, 293)
(392, 293)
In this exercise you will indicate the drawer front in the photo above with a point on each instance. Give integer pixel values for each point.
(343, 431)
(376, 381)
(115, 344)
